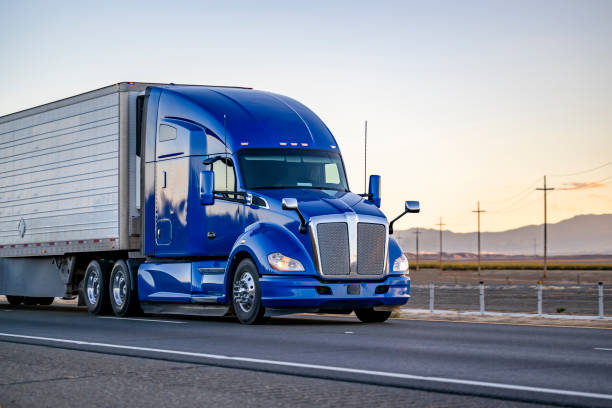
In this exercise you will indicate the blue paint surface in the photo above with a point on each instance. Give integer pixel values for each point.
(189, 242)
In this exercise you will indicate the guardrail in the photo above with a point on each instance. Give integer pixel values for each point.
(538, 298)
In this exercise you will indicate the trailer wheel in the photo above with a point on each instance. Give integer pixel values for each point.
(95, 287)
(14, 300)
(122, 291)
(246, 294)
(370, 315)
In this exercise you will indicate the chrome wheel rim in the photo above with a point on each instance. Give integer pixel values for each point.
(93, 288)
(244, 292)
(119, 288)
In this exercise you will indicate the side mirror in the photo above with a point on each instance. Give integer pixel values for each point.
(413, 207)
(374, 190)
(292, 205)
(409, 207)
(207, 187)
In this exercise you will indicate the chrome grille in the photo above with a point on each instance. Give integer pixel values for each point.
(371, 248)
(333, 242)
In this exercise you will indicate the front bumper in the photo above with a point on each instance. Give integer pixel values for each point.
(304, 292)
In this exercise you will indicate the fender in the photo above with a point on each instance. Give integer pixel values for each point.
(261, 239)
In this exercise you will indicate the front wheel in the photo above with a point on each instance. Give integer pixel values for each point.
(246, 294)
(370, 315)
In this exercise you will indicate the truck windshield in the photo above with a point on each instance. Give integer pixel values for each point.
(284, 168)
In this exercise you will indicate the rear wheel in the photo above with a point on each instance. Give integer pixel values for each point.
(95, 287)
(123, 296)
(246, 294)
(14, 300)
(370, 315)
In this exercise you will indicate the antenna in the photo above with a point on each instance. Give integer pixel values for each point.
(225, 137)
(365, 159)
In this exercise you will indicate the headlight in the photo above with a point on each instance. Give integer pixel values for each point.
(400, 264)
(281, 262)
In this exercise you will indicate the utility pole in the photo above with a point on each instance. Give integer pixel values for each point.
(417, 233)
(440, 224)
(545, 189)
(478, 211)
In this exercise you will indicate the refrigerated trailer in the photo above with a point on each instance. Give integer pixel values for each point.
(169, 198)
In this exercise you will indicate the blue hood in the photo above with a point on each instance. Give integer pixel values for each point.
(314, 202)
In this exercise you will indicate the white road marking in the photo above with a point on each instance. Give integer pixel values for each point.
(322, 367)
(602, 349)
(348, 332)
(141, 320)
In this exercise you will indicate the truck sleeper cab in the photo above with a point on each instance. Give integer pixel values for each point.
(244, 209)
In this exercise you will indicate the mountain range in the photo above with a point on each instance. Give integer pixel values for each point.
(579, 235)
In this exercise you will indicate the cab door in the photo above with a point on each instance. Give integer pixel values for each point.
(224, 220)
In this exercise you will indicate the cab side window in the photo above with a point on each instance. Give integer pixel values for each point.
(221, 170)
(166, 133)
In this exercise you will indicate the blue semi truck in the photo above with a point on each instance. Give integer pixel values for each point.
(163, 198)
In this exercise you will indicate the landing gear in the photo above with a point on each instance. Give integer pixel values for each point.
(370, 315)
(246, 294)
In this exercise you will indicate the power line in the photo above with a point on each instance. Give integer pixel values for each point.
(581, 172)
(509, 210)
(512, 198)
(512, 204)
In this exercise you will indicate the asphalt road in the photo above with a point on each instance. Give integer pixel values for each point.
(61, 355)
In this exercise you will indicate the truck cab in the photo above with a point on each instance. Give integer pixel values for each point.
(247, 210)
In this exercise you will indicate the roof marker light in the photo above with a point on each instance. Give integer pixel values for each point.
(283, 143)
(333, 146)
(304, 144)
(244, 143)
(293, 144)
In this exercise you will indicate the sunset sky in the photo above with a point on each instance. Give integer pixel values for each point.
(465, 100)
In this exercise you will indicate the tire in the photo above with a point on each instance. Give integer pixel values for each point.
(14, 300)
(122, 291)
(370, 315)
(95, 288)
(246, 294)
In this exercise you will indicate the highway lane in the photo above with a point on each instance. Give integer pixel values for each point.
(522, 363)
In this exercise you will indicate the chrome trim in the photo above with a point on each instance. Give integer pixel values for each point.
(352, 220)
(212, 271)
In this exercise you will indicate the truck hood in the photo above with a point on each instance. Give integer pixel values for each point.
(314, 202)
